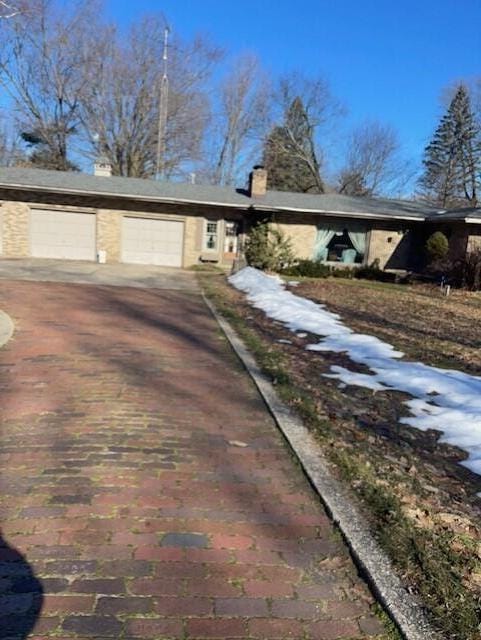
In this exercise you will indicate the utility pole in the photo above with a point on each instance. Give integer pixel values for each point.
(163, 104)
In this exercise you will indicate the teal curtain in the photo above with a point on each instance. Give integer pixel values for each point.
(323, 238)
(357, 235)
(358, 239)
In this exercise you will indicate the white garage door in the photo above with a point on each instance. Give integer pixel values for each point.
(63, 235)
(146, 241)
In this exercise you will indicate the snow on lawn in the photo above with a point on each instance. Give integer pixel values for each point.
(443, 399)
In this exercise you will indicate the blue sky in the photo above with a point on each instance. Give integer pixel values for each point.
(384, 60)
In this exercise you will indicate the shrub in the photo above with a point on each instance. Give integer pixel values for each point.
(308, 269)
(374, 272)
(437, 247)
(343, 272)
(267, 248)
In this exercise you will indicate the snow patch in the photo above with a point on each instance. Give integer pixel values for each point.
(443, 399)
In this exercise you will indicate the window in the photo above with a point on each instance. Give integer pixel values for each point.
(210, 235)
(337, 243)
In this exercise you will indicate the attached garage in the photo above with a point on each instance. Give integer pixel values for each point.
(152, 241)
(63, 235)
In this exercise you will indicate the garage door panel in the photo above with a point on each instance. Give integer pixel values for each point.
(63, 235)
(151, 241)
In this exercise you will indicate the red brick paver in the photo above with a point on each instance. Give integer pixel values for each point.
(130, 505)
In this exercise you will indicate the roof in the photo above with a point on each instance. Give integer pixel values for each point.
(76, 183)
(466, 214)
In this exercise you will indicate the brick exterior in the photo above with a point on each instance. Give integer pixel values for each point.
(191, 250)
(109, 234)
(474, 241)
(385, 242)
(302, 238)
(15, 229)
(15, 214)
(393, 249)
(382, 244)
(258, 182)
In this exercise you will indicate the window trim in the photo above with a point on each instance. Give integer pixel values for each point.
(215, 249)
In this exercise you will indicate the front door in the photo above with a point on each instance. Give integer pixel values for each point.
(231, 239)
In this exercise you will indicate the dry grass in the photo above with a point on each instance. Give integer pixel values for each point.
(419, 320)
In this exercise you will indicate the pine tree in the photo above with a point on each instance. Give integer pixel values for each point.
(452, 160)
(289, 154)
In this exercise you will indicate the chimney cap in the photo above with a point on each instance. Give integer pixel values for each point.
(258, 166)
(103, 167)
(102, 160)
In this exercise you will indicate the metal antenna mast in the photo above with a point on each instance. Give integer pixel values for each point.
(163, 104)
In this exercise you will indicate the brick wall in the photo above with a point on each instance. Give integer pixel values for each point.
(302, 238)
(109, 234)
(474, 240)
(15, 216)
(15, 229)
(386, 242)
(383, 244)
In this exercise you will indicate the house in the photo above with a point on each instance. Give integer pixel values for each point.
(69, 215)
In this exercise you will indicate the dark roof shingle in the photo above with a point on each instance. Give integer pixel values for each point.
(151, 190)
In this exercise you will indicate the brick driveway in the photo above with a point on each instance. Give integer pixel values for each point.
(131, 506)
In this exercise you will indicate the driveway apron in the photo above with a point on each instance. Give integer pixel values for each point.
(145, 490)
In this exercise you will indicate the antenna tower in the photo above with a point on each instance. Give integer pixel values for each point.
(163, 103)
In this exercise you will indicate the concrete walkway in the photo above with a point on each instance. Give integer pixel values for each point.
(126, 275)
(146, 492)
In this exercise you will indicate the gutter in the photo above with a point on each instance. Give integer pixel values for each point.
(343, 214)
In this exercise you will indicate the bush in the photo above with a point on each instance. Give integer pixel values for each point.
(374, 272)
(437, 247)
(308, 269)
(343, 272)
(267, 248)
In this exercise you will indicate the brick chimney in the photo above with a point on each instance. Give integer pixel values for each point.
(258, 182)
(102, 167)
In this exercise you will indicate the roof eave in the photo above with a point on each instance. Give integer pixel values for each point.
(108, 194)
(213, 203)
(343, 214)
(465, 219)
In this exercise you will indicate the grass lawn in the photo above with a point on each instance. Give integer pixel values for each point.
(421, 503)
(418, 320)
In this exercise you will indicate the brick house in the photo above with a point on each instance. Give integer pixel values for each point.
(68, 215)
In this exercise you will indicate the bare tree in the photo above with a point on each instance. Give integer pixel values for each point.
(306, 109)
(44, 66)
(239, 121)
(12, 9)
(10, 153)
(374, 164)
(120, 103)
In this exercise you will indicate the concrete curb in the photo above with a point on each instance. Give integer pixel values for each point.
(375, 565)
(6, 328)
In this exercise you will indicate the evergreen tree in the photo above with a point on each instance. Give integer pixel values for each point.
(452, 160)
(45, 154)
(289, 154)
